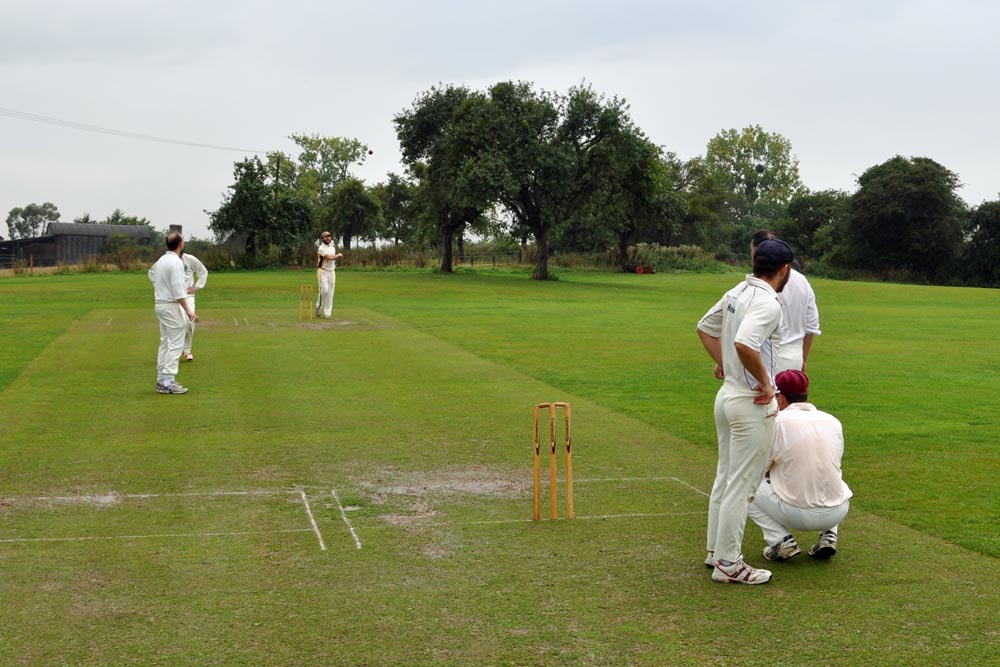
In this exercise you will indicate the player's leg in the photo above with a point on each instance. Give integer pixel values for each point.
(189, 334)
(721, 475)
(750, 440)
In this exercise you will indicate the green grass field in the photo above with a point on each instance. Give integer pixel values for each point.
(358, 492)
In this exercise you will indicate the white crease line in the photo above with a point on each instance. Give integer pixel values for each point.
(693, 488)
(112, 495)
(343, 515)
(319, 537)
(246, 322)
(109, 322)
(236, 322)
(578, 518)
(155, 536)
(642, 479)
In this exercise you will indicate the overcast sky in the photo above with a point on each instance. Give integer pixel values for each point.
(849, 83)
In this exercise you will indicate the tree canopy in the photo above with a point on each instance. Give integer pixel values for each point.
(759, 174)
(906, 215)
(264, 214)
(29, 221)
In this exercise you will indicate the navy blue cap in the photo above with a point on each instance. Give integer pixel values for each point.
(772, 254)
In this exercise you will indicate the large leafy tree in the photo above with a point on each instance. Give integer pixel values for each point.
(119, 217)
(398, 220)
(906, 215)
(29, 221)
(638, 200)
(352, 211)
(982, 257)
(323, 163)
(431, 144)
(266, 214)
(759, 174)
(816, 223)
(539, 155)
(704, 220)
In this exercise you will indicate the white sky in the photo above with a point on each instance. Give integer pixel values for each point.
(850, 84)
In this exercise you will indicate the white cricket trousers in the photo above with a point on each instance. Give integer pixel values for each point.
(778, 518)
(189, 333)
(327, 280)
(788, 357)
(746, 433)
(173, 325)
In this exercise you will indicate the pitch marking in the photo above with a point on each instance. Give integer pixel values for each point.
(343, 515)
(305, 501)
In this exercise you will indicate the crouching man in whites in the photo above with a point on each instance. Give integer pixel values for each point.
(803, 489)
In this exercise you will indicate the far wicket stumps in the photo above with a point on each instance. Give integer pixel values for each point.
(305, 302)
(553, 510)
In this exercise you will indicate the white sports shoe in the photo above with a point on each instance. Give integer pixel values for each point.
(172, 388)
(188, 357)
(825, 547)
(710, 559)
(784, 550)
(739, 573)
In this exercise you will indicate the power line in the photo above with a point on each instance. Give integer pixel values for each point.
(35, 118)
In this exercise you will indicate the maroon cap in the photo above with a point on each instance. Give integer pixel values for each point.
(792, 383)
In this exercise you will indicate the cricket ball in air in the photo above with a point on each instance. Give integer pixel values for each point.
(370, 151)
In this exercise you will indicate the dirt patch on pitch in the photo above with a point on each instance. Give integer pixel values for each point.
(447, 484)
(336, 323)
(99, 500)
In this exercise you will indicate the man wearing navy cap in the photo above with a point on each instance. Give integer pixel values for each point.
(741, 332)
(804, 488)
(798, 306)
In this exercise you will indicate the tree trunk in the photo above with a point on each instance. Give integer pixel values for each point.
(446, 253)
(542, 260)
(460, 242)
(347, 242)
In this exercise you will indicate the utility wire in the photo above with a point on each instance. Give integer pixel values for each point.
(35, 118)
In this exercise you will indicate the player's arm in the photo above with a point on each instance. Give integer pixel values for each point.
(713, 345)
(179, 288)
(201, 272)
(806, 344)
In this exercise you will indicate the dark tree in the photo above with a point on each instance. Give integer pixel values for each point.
(817, 221)
(427, 136)
(352, 211)
(982, 256)
(905, 216)
(265, 214)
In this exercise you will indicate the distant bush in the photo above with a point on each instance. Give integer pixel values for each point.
(679, 258)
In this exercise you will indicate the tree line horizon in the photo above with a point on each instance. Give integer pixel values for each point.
(573, 173)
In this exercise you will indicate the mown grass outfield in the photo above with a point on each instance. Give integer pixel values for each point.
(358, 492)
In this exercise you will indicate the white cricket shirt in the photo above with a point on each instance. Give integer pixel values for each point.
(749, 314)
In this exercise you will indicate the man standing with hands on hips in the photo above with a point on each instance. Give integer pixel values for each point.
(741, 333)
(326, 275)
(173, 311)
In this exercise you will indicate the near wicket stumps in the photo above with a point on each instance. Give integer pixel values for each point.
(305, 302)
(553, 510)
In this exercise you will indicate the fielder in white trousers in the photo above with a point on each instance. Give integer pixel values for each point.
(326, 274)
(327, 279)
(777, 518)
(173, 329)
(745, 431)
